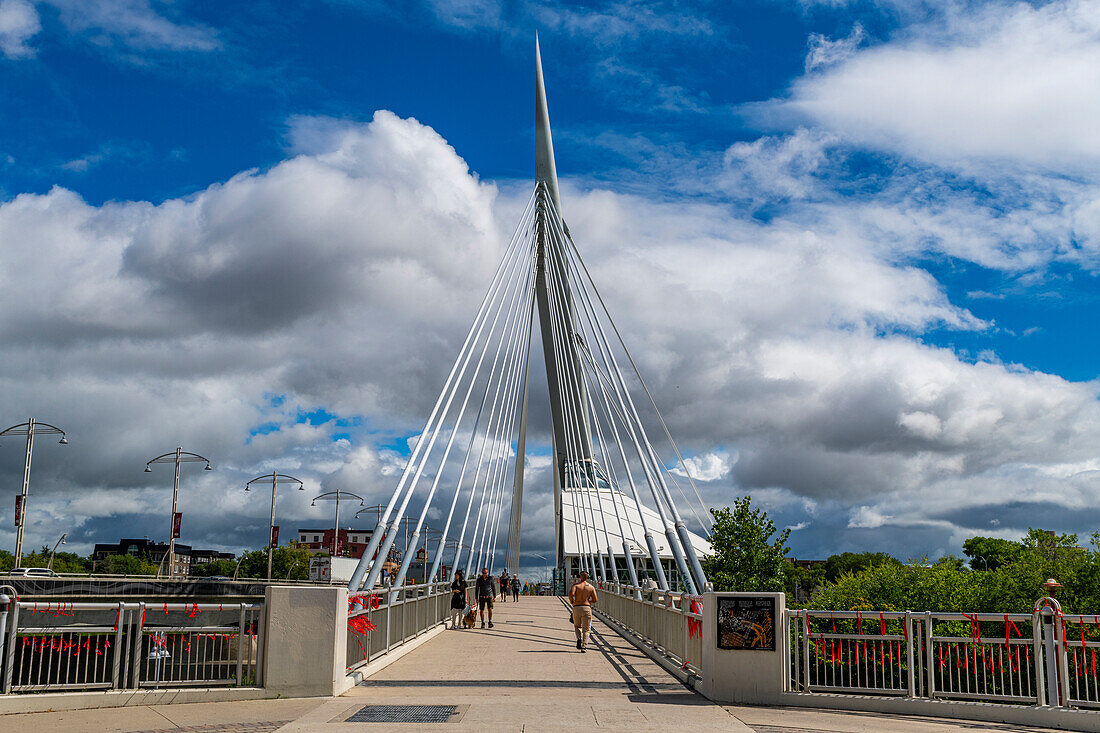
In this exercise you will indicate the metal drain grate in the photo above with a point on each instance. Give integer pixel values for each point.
(403, 714)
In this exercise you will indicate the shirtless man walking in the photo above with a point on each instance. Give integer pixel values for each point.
(582, 595)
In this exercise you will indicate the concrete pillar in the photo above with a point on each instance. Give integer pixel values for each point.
(306, 641)
(750, 673)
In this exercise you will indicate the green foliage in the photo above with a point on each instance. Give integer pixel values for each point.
(1012, 586)
(7, 561)
(126, 565)
(746, 557)
(224, 568)
(847, 563)
(63, 562)
(291, 559)
(990, 553)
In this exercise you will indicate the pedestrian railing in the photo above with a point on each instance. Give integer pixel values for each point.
(670, 622)
(1044, 658)
(60, 646)
(390, 617)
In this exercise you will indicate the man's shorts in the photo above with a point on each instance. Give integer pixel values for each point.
(483, 602)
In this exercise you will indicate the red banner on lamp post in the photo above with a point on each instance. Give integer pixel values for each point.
(177, 520)
(275, 536)
(18, 509)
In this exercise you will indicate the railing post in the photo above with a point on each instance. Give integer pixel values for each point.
(9, 650)
(240, 647)
(135, 659)
(929, 655)
(1063, 662)
(806, 650)
(389, 617)
(116, 662)
(910, 660)
(1037, 653)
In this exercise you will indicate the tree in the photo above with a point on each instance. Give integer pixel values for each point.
(291, 559)
(746, 557)
(990, 553)
(847, 563)
(127, 565)
(7, 561)
(221, 567)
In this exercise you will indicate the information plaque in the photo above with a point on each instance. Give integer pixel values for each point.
(746, 622)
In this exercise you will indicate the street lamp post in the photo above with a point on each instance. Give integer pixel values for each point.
(544, 567)
(177, 457)
(30, 428)
(53, 552)
(276, 479)
(331, 496)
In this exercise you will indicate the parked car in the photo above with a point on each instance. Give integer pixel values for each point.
(32, 573)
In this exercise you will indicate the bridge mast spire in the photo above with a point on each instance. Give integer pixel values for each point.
(575, 444)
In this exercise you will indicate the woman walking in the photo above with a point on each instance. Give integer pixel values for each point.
(458, 598)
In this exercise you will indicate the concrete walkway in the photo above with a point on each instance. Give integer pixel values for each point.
(523, 675)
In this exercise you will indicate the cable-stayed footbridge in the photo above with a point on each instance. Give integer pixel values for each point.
(615, 513)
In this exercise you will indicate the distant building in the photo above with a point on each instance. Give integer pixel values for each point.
(350, 542)
(184, 559)
(805, 564)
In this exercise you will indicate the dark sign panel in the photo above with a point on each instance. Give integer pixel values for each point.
(18, 509)
(275, 536)
(177, 520)
(746, 622)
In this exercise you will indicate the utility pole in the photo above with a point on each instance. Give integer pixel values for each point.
(30, 429)
(177, 457)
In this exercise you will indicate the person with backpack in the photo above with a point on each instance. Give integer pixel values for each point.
(458, 598)
(485, 593)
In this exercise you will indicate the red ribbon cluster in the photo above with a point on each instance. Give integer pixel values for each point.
(41, 644)
(63, 609)
(695, 626)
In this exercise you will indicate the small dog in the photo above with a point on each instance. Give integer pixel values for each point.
(469, 619)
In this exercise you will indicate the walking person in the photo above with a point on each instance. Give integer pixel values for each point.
(582, 595)
(515, 588)
(504, 585)
(458, 598)
(485, 593)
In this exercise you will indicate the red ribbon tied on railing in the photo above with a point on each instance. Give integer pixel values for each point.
(695, 626)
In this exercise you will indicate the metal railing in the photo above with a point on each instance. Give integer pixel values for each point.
(61, 646)
(670, 622)
(1044, 658)
(390, 617)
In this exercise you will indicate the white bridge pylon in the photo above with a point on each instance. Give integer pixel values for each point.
(614, 512)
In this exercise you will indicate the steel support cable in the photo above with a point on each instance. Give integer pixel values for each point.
(679, 541)
(380, 545)
(512, 405)
(376, 536)
(587, 498)
(605, 398)
(568, 476)
(572, 247)
(527, 295)
(620, 387)
(575, 254)
(570, 378)
(462, 474)
(506, 303)
(502, 428)
(595, 420)
(616, 498)
(514, 312)
(497, 406)
(611, 492)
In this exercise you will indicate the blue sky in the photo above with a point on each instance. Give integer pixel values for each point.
(874, 225)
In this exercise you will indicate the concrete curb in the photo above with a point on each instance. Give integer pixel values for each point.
(354, 678)
(55, 701)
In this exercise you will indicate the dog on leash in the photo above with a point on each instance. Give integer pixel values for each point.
(469, 619)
